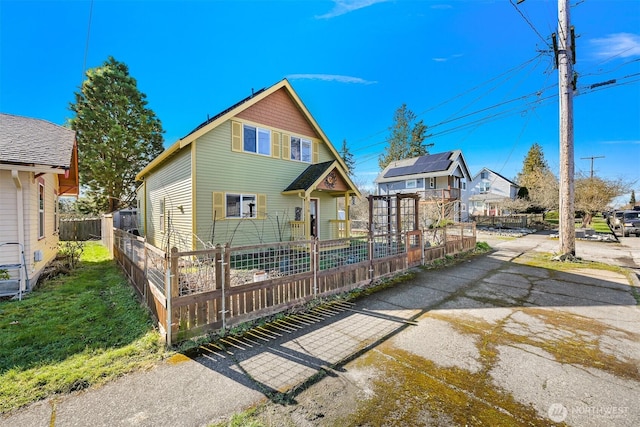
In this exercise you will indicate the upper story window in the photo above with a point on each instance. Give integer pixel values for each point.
(463, 184)
(484, 175)
(411, 183)
(256, 140)
(485, 187)
(300, 149)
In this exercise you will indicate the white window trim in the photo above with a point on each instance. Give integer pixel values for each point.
(258, 130)
(162, 223)
(463, 185)
(413, 181)
(242, 214)
(41, 210)
(432, 182)
(302, 142)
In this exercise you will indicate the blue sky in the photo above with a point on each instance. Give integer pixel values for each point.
(479, 73)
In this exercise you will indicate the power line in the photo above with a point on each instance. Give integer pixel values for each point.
(530, 24)
(86, 46)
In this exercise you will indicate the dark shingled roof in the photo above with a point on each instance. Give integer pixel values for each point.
(34, 142)
(310, 175)
(222, 113)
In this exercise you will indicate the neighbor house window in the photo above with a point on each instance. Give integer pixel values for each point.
(300, 149)
(41, 210)
(411, 183)
(432, 182)
(162, 221)
(241, 206)
(485, 187)
(257, 140)
(484, 175)
(56, 224)
(464, 185)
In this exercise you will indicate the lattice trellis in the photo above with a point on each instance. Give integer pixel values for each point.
(392, 214)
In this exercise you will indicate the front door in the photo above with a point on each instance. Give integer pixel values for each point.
(314, 209)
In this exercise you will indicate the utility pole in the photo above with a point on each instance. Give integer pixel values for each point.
(592, 158)
(565, 56)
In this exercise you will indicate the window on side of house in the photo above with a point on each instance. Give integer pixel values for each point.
(485, 187)
(41, 210)
(256, 140)
(56, 223)
(300, 149)
(484, 175)
(241, 206)
(464, 185)
(432, 182)
(411, 183)
(162, 213)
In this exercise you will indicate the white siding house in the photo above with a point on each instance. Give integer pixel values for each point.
(437, 178)
(38, 164)
(488, 191)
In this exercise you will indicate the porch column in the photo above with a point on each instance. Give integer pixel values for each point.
(347, 217)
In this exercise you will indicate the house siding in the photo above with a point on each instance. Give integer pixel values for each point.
(171, 184)
(243, 173)
(30, 201)
(279, 111)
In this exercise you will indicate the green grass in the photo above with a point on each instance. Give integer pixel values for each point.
(599, 224)
(73, 332)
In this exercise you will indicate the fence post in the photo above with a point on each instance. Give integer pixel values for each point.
(315, 265)
(461, 244)
(371, 255)
(173, 291)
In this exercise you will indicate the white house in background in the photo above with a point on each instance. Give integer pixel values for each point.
(489, 190)
(441, 177)
(38, 164)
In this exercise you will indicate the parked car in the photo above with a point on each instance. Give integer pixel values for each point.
(631, 223)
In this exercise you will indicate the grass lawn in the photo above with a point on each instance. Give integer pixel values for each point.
(73, 332)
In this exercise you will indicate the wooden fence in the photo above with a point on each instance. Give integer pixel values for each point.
(197, 292)
(80, 229)
(509, 221)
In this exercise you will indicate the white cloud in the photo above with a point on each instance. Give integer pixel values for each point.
(345, 6)
(442, 6)
(441, 59)
(621, 45)
(330, 77)
(622, 142)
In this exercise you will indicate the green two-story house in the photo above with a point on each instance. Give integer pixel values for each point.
(260, 171)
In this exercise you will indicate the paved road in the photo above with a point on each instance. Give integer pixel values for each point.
(487, 338)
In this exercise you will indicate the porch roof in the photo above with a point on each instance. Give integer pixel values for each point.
(327, 176)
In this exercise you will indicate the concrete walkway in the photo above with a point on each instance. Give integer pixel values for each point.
(534, 311)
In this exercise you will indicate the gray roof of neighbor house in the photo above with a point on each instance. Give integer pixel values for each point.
(32, 142)
(431, 165)
(496, 173)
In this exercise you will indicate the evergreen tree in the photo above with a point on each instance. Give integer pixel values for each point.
(539, 181)
(406, 138)
(632, 200)
(347, 156)
(117, 134)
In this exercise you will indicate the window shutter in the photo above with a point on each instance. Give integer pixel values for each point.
(262, 206)
(316, 152)
(275, 144)
(218, 206)
(286, 147)
(236, 136)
